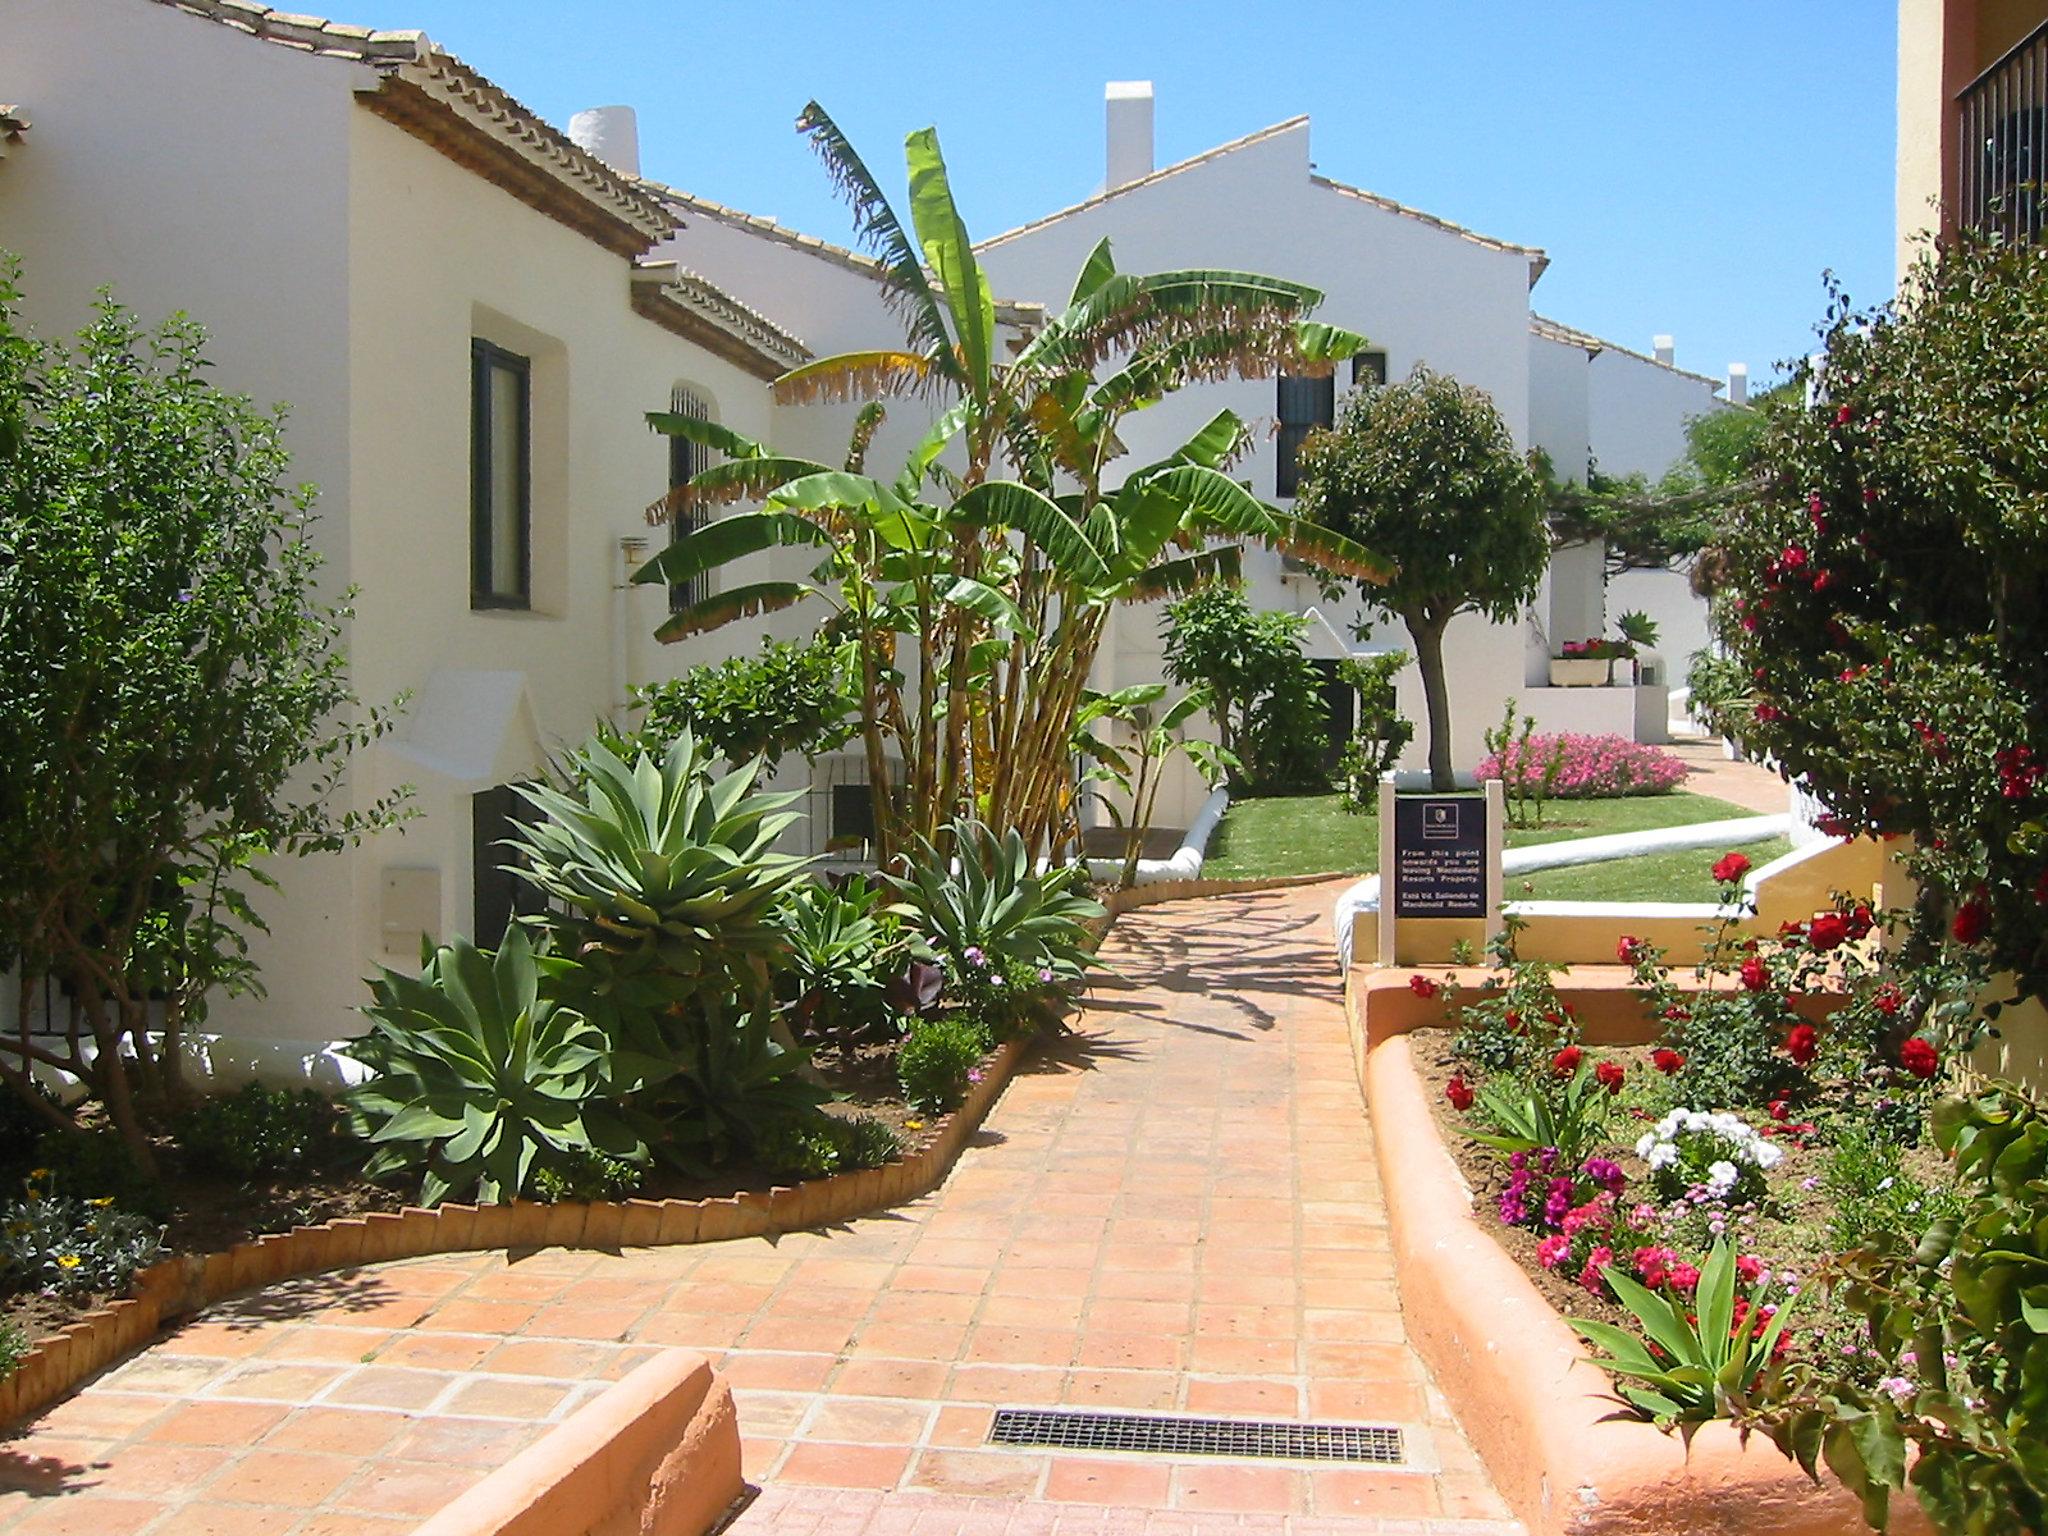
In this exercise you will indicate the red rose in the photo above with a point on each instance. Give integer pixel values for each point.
(1513, 1020)
(1566, 1061)
(1769, 712)
(1861, 921)
(1755, 974)
(1676, 1012)
(1920, 1058)
(1610, 1076)
(1803, 1044)
(1842, 417)
(1829, 930)
(1971, 920)
(1731, 867)
(1780, 1110)
(1422, 986)
(1459, 1092)
(1628, 949)
(1666, 1060)
(1888, 999)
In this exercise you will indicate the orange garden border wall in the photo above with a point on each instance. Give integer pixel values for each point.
(1538, 1413)
(658, 1454)
(181, 1285)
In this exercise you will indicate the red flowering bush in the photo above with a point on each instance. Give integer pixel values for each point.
(1591, 767)
(1882, 591)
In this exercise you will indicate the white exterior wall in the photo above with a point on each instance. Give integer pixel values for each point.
(1637, 410)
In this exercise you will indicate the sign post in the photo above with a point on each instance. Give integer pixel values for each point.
(1440, 857)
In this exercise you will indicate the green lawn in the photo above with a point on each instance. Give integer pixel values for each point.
(1678, 876)
(1313, 834)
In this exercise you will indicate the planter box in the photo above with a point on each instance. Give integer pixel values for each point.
(1580, 671)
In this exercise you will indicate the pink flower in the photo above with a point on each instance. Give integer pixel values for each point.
(1590, 1277)
(1553, 1250)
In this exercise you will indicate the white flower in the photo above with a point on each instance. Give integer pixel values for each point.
(1644, 1142)
(1721, 1177)
(1765, 1155)
(1663, 1155)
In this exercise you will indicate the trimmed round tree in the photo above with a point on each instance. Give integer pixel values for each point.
(1426, 473)
(1885, 591)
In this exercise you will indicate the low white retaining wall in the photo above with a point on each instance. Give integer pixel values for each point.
(1186, 863)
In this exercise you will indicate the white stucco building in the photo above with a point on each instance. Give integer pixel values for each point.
(470, 313)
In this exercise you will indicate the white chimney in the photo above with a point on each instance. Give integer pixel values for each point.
(1665, 349)
(1738, 383)
(610, 133)
(1127, 114)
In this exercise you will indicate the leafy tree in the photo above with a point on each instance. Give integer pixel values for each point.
(1261, 687)
(174, 703)
(975, 585)
(791, 698)
(1426, 473)
(1882, 591)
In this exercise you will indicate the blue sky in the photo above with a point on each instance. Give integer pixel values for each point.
(1690, 167)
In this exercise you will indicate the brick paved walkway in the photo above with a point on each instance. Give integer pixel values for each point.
(1177, 1210)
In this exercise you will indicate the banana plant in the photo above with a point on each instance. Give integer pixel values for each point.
(977, 582)
(1140, 768)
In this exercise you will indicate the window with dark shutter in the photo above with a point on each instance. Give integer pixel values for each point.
(1305, 404)
(498, 895)
(685, 460)
(500, 477)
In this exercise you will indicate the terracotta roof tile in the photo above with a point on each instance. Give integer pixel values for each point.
(744, 324)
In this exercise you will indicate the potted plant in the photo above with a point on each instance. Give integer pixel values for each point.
(1639, 631)
(1586, 663)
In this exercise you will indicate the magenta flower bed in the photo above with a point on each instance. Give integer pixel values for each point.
(1595, 767)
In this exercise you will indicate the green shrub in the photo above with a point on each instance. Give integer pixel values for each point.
(587, 1176)
(14, 1347)
(73, 1247)
(256, 1132)
(97, 1165)
(1382, 732)
(1004, 995)
(868, 1142)
(1263, 691)
(936, 1057)
(793, 697)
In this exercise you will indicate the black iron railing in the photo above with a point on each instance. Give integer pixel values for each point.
(2004, 135)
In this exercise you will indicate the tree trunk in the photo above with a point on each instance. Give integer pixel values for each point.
(1428, 635)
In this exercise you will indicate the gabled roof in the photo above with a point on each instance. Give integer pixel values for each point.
(681, 301)
(1149, 179)
(437, 98)
(1572, 336)
(1537, 259)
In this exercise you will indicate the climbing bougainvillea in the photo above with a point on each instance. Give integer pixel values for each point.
(1885, 590)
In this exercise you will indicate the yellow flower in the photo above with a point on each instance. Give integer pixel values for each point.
(103, 1202)
(913, 1125)
(68, 1261)
(37, 1175)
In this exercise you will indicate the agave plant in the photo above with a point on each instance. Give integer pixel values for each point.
(988, 898)
(844, 950)
(668, 873)
(479, 1077)
(735, 1082)
(997, 552)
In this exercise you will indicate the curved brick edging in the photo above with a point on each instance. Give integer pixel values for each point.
(181, 1285)
(1540, 1415)
(657, 1452)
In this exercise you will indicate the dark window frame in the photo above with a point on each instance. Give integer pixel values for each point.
(685, 461)
(486, 358)
(1296, 424)
(1373, 362)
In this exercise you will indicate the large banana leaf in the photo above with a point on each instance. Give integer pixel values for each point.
(859, 375)
(876, 226)
(1012, 504)
(951, 254)
(706, 434)
(735, 480)
(726, 539)
(1176, 578)
(727, 607)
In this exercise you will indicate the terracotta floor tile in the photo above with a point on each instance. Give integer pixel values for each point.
(380, 1386)
(458, 1442)
(298, 1478)
(1360, 1491)
(404, 1488)
(845, 1466)
(545, 1357)
(88, 1517)
(464, 1316)
(495, 1397)
(867, 1421)
(217, 1423)
(890, 1378)
(986, 1474)
(1239, 1489)
(336, 1431)
(1127, 1484)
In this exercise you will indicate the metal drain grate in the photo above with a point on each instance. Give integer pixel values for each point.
(1271, 1440)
